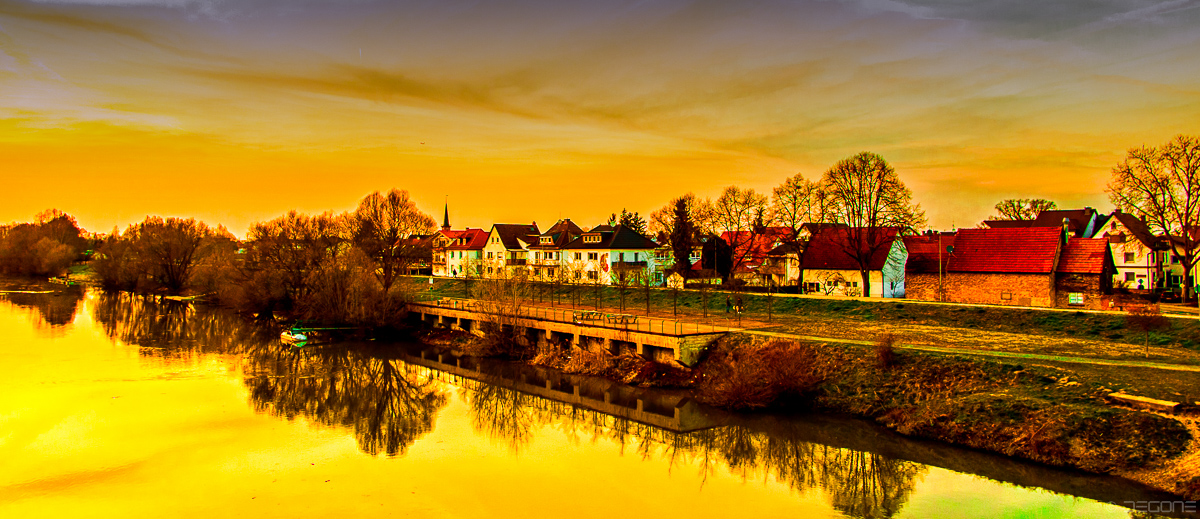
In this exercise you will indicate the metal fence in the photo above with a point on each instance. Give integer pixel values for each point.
(595, 318)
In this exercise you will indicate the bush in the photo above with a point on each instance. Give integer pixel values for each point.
(755, 376)
(885, 351)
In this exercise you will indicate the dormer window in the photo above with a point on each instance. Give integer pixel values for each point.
(591, 238)
(546, 240)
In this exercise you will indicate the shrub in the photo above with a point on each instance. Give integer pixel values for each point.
(885, 350)
(755, 376)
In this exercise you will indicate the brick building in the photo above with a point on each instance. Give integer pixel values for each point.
(1084, 275)
(1005, 266)
(922, 277)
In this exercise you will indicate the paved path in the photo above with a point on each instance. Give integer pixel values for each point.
(989, 353)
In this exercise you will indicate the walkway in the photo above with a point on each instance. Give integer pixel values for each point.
(988, 353)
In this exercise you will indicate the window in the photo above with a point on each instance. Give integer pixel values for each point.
(1075, 298)
(537, 272)
(578, 256)
(1174, 259)
(490, 270)
(550, 273)
(592, 275)
(576, 274)
(490, 255)
(1006, 296)
(592, 256)
(1130, 257)
(1130, 276)
(591, 238)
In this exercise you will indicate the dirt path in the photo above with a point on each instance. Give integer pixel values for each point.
(990, 353)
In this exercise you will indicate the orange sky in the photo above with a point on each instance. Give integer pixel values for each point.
(234, 112)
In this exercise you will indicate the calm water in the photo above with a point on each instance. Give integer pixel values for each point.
(119, 406)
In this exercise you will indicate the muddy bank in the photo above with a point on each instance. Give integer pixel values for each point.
(1038, 413)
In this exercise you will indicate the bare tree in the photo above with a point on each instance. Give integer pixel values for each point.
(741, 212)
(1161, 185)
(864, 193)
(1022, 208)
(387, 227)
(797, 201)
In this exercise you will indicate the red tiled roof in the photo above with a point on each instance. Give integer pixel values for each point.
(1018, 250)
(827, 249)
(753, 248)
(476, 239)
(923, 252)
(1084, 256)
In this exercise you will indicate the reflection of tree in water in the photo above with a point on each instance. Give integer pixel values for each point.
(859, 484)
(55, 310)
(171, 328)
(388, 404)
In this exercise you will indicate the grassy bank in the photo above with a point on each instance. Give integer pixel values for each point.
(994, 328)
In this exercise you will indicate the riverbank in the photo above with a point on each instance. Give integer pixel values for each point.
(1038, 412)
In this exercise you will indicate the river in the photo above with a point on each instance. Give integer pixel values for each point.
(121, 406)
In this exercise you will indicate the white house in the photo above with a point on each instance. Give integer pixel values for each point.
(506, 252)
(1142, 259)
(608, 255)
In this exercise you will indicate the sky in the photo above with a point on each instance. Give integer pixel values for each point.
(236, 111)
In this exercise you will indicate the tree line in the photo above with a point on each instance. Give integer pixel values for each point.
(863, 193)
(334, 267)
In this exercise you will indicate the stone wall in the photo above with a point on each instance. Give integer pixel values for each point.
(1090, 286)
(1000, 289)
(921, 286)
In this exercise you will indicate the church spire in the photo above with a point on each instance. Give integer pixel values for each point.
(446, 217)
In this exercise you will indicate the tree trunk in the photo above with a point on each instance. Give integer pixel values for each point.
(866, 281)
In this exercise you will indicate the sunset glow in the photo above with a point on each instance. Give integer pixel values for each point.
(237, 111)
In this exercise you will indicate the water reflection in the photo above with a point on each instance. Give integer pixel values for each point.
(176, 329)
(52, 310)
(389, 403)
(859, 484)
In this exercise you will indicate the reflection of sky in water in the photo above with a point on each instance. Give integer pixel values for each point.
(89, 426)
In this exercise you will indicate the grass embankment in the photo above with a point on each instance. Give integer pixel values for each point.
(1040, 413)
(1016, 330)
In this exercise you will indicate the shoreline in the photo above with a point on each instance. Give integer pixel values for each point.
(1037, 414)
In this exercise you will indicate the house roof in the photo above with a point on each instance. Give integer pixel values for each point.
(1136, 227)
(754, 247)
(923, 252)
(787, 248)
(1018, 250)
(1077, 219)
(620, 237)
(473, 239)
(560, 234)
(1084, 256)
(827, 248)
(512, 234)
(1007, 224)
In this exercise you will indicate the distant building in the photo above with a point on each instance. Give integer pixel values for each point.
(925, 272)
(611, 254)
(828, 267)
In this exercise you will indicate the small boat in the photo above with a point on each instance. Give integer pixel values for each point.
(292, 337)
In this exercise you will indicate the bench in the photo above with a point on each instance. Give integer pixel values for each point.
(1142, 402)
